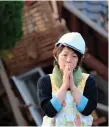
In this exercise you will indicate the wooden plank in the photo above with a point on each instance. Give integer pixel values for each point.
(12, 99)
(102, 107)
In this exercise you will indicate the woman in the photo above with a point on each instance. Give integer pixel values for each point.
(67, 96)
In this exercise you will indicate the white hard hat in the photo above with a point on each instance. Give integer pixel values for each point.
(73, 40)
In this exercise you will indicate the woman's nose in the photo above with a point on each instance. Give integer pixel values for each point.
(68, 60)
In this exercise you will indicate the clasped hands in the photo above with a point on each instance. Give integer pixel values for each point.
(68, 81)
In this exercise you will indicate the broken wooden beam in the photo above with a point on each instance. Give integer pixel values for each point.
(11, 96)
(95, 64)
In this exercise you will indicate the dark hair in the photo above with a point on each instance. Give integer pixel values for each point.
(58, 49)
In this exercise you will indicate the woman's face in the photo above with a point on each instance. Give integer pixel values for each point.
(67, 57)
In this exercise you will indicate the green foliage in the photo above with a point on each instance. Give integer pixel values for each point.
(10, 23)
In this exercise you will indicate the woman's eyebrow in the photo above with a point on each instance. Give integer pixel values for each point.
(73, 53)
(65, 51)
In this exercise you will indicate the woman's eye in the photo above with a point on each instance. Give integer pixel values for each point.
(64, 54)
(75, 56)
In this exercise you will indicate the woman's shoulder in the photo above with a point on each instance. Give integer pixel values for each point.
(91, 78)
(90, 82)
(44, 80)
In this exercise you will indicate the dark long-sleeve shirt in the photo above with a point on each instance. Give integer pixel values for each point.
(44, 91)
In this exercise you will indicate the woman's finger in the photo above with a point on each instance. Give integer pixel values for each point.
(66, 71)
(64, 103)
